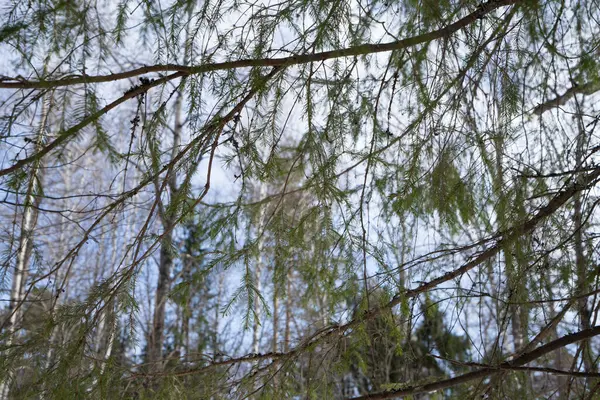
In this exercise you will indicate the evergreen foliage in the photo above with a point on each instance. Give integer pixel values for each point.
(299, 199)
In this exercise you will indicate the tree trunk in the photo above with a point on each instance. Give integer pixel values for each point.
(166, 258)
(215, 338)
(258, 273)
(275, 317)
(288, 310)
(581, 263)
(256, 325)
(25, 248)
(186, 313)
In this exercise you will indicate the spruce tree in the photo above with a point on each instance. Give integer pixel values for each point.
(315, 199)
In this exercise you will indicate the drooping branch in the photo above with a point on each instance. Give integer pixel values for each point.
(212, 128)
(504, 238)
(487, 371)
(72, 131)
(363, 49)
(481, 11)
(560, 100)
(551, 371)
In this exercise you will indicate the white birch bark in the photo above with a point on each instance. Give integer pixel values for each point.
(258, 273)
(28, 222)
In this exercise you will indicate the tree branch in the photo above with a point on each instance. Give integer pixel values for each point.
(363, 49)
(68, 133)
(506, 237)
(487, 371)
(560, 100)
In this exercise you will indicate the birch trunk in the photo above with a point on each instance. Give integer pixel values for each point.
(215, 338)
(186, 313)
(275, 317)
(28, 222)
(257, 275)
(288, 311)
(581, 263)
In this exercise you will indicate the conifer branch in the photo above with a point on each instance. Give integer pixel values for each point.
(363, 49)
(67, 134)
(487, 371)
(504, 238)
(560, 100)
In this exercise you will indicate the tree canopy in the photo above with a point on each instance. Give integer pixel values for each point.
(299, 199)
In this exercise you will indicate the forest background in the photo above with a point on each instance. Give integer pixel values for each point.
(299, 199)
